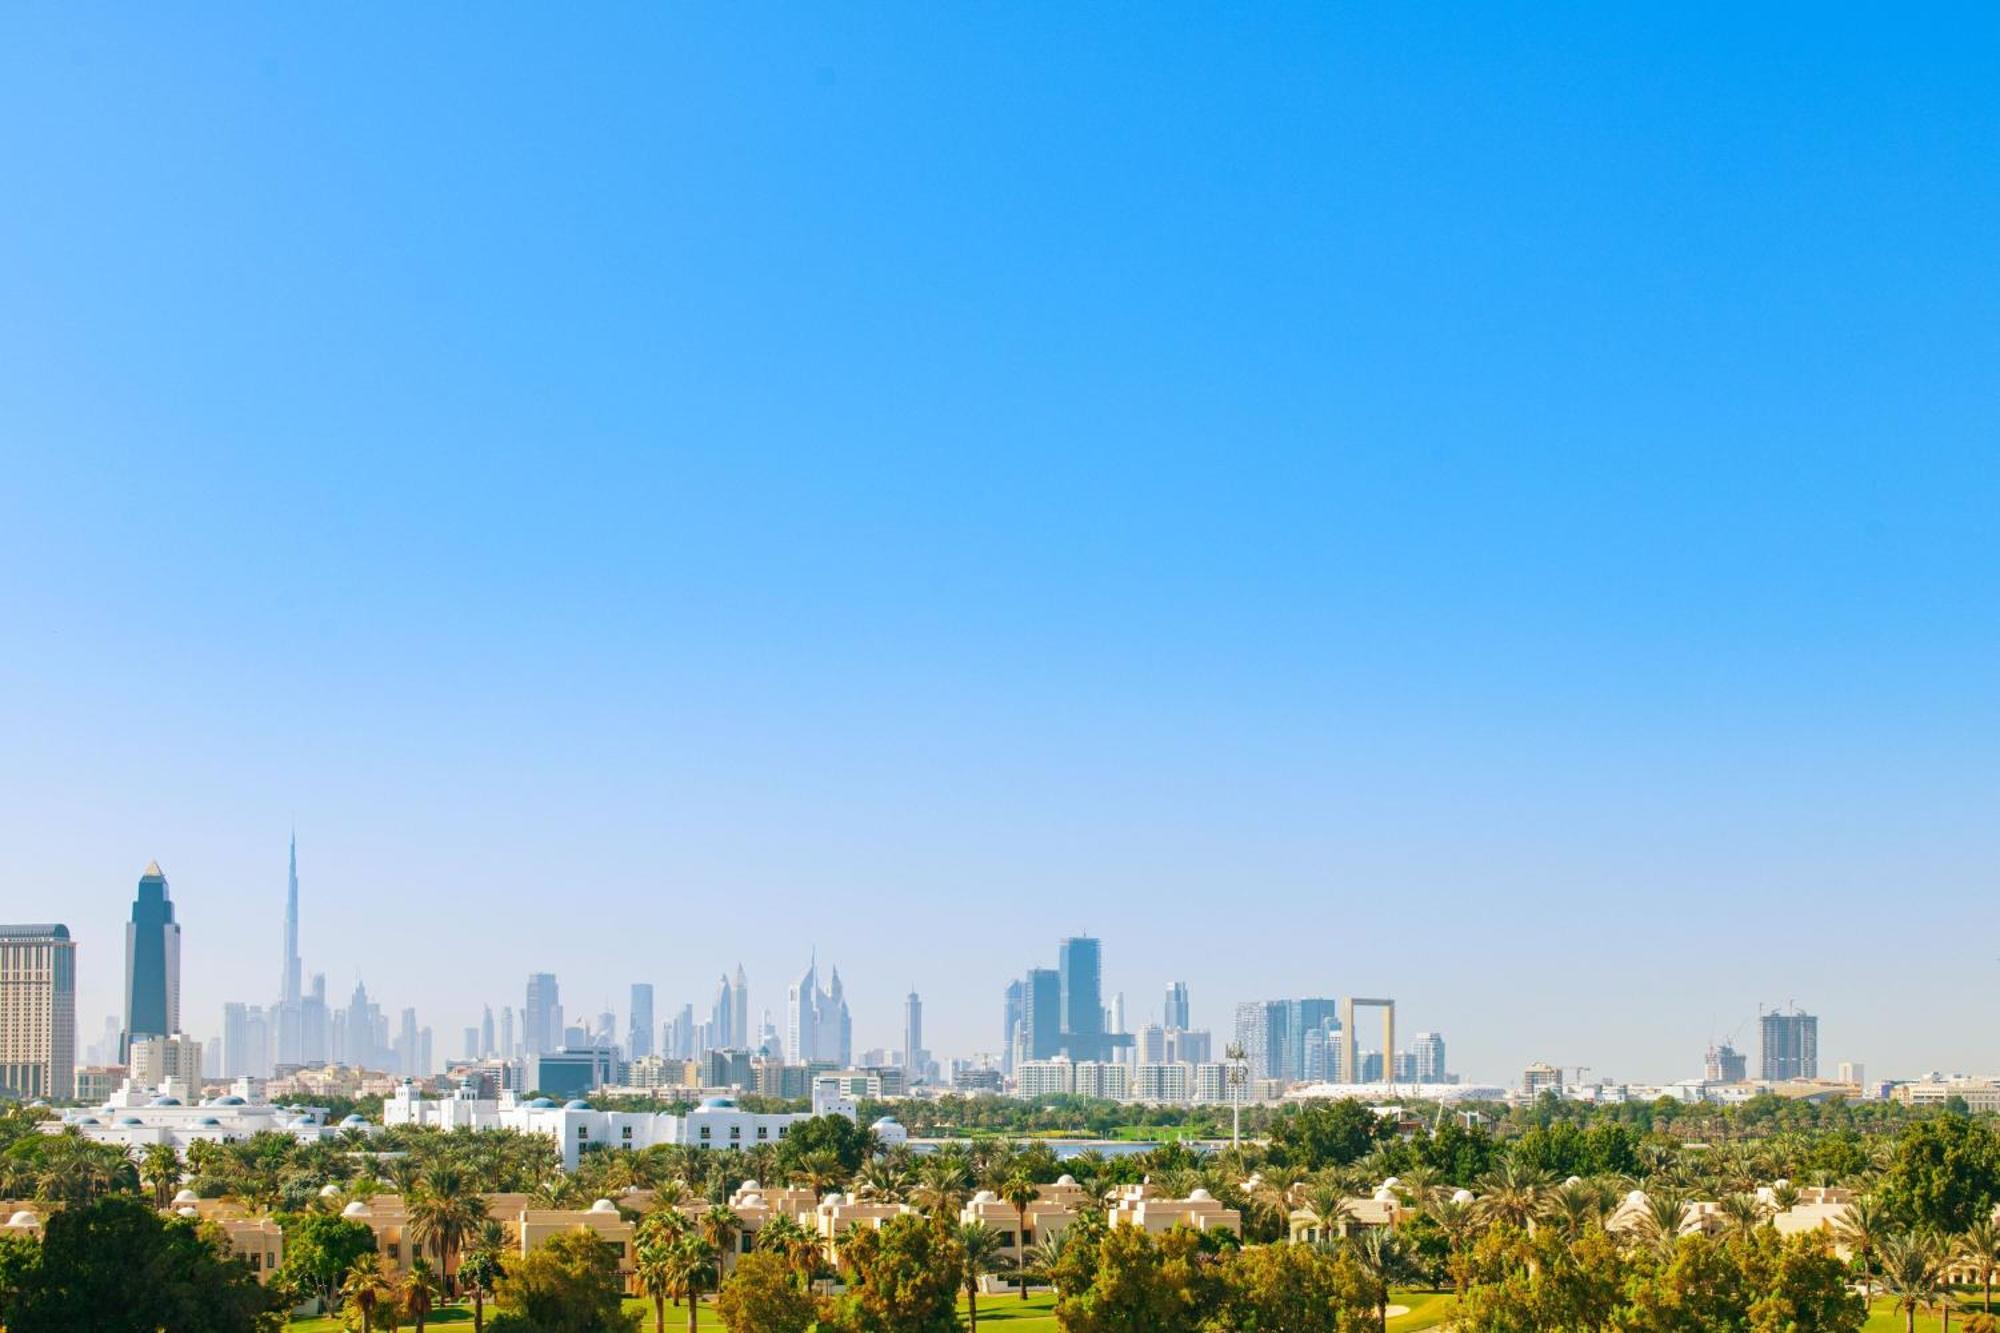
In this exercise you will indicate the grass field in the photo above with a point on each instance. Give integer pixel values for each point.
(1007, 1313)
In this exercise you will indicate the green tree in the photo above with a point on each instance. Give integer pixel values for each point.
(320, 1248)
(761, 1297)
(479, 1272)
(418, 1292)
(720, 1226)
(117, 1266)
(443, 1211)
(1296, 1289)
(568, 1285)
(1912, 1274)
(1020, 1191)
(1801, 1286)
(1978, 1248)
(905, 1280)
(849, 1143)
(1325, 1133)
(1140, 1285)
(1944, 1174)
(981, 1253)
(365, 1290)
(160, 1168)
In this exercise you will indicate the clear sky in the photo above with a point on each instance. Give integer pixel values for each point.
(1495, 508)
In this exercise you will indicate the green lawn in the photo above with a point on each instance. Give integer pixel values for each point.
(1007, 1313)
(1883, 1319)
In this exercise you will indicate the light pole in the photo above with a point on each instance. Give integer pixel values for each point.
(1239, 1074)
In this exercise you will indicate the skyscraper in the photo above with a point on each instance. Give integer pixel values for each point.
(1791, 1045)
(1080, 961)
(541, 1016)
(913, 1037)
(1177, 1006)
(1041, 1015)
(1010, 1025)
(288, 1015)
(818, 1027)
(1430, 1066)
(1262, 1033)
(37, 1012)
(639, 1031)
(506, 1032)
(152, 963)
(722, 1016)
(739, 1010)
(487, 1047)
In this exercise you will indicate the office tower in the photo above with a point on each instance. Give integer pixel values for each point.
(406, 1045)
(769, 1043)
(721, 1014)
(606, 1031)
(246, 1041)
(1150, 1046)
(472, 1046)
(425, 1065)
(1429, 1066)
(1010, 1025)
(541, 1015)
(1041, 1015)
(153, 1060)
(1115, 1016)
(1177, 1006)
(913, 1037)
(1853, 1072)
(1725, 1064)
(639, 1032)
(507, 1051)
(1302, 1017)
(1260, 1031)
(1080, 960)
(366, 1031)
(37, 1012)
(152, 963)
(818, 1027)
(1191, 1048)
(315, 1036)
(1791, 1045)
(487, 1049)
(739, 1010)
(288, 1014)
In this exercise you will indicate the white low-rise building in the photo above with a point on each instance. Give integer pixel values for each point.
(577, 1128)
(137, 1116)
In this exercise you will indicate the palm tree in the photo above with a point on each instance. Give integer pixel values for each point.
(160, 1167)
(367, 1287)
(1385, 1258)
(1744, 1213)
(1863, 1229)
(1913, 1273)
(693, 1264)
(1573, 1208)
(653, 1267)
(1330, 1210)
(480, 1269)
(1042, 1259)
(1020, 1191)
(983, 1254)
(720, 1226)
(419, 1291)
(1459, 1222)
(800, 1248)
(1664, 1217)
(940, 1184)
(442, 1213)
(1979, 1249)
(1515, 1194)
(883, 1179)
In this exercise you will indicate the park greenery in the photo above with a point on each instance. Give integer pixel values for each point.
(1530, 1249)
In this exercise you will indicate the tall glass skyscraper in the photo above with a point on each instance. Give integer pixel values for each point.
(1080, 961)
(1177, 1006)
(152, 964)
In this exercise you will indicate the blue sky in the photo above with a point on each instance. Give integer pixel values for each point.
(1491, 508)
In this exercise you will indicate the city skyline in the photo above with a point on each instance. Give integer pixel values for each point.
(1331, 501)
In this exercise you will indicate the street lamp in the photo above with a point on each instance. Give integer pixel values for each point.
(1239, 1074)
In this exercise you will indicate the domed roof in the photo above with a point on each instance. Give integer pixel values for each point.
(164, 1101)
(24, 1218)
(542, 1104)
(985, 1196)
(329, 1191)
(576, 1104)
(209, 1122)
(1573, 1180)
(351, 1121)
(357, 1209)
(1383, 1194)
(750, 1187)
(718, 1103)
(1461, 1196)
(753, 1201)
(303, 1122)
(886, 1122)
(130, 1120)
(187, 1196)
(604, 1206)
(1392, 1182)
(231, 1100)
(1066, 1180)
(1637, 1198)
(1200, 1196)
(189, 1212)
(88, 1120)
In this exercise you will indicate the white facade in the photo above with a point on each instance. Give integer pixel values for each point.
(137, 1116)
(717, 1123)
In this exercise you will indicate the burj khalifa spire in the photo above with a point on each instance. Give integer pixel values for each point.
(290, 1010)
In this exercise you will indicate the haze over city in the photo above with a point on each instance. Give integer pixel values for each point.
(644, 498)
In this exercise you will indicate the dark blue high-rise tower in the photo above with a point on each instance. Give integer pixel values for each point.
(152, 964)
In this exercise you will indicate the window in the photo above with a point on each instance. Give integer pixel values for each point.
(626, 1133)
(256, 1261)
(582, 1132)
(704, 1133)
(1007, 1239)
(735, 1133)
(395, 1251)
(617, 1248)
(745, 1241)
(763, 1132)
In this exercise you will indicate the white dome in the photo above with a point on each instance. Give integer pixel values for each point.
(1461, 1196)
(357, 1209)
(1200, 1196)
(1385, 1195)
(24, 1218)
(1781, 1184)
(1637, 1198)
(329, 1191)
(1392, 1182)
(753, 1201)
(604, 1206)
(1066, 1180)
(751, 1187)
(833, 1198)
(187, 1196)
(1573, 1180)
(985, 1196)
(190, 1212)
